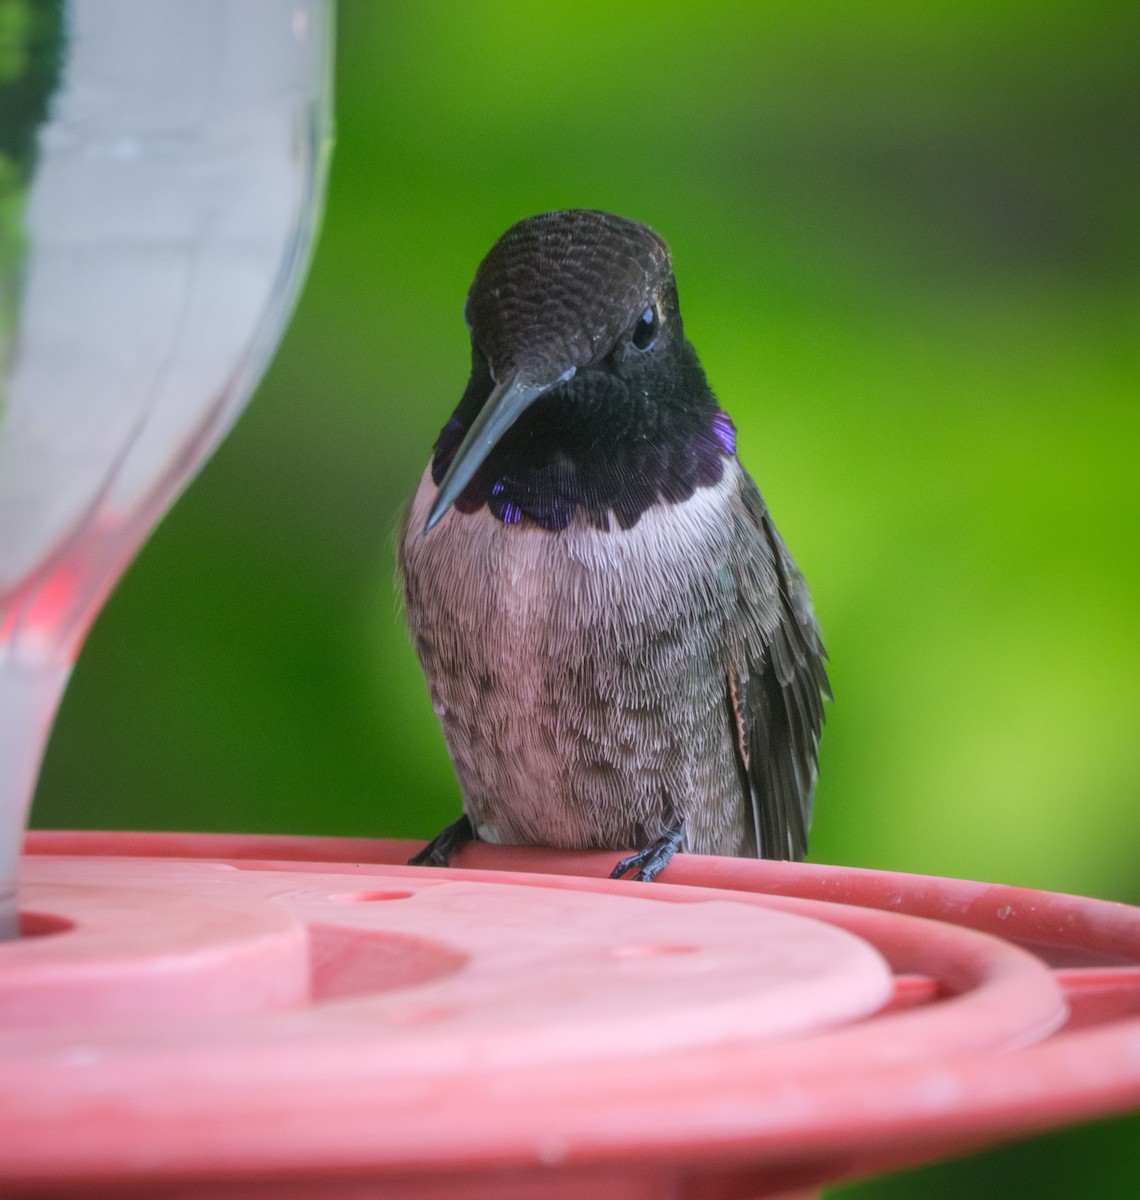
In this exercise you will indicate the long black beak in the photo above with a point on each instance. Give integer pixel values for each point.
(506, 403)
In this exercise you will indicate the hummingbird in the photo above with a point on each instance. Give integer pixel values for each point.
(618, 645)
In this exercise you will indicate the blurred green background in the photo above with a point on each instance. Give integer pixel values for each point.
(907, 239)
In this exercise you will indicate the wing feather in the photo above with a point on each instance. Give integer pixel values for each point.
(776, 684)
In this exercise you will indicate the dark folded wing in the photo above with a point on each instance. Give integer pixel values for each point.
(776, 684)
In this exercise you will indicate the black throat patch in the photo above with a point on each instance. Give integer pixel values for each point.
(601, 447)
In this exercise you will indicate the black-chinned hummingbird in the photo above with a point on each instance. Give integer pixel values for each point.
(617, 643)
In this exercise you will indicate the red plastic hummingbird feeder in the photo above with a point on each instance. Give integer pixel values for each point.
(213, 1016)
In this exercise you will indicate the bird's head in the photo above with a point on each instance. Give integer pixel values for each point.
(574, 325)
(563, 291)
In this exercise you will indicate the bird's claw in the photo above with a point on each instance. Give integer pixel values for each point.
(450, 840)
(647, 864)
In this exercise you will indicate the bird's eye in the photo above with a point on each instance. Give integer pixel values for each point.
(645, 331)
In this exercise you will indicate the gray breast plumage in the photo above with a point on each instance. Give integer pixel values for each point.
(580, 675)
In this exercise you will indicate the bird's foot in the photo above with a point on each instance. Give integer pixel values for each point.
(647, 864)
(447, 842)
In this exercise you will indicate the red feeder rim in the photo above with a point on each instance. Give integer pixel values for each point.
(229, 1014)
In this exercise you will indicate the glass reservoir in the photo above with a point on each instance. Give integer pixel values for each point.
(157, 210)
